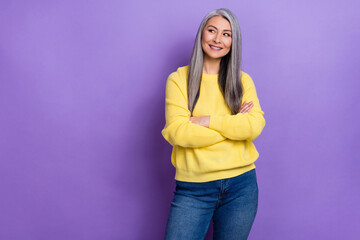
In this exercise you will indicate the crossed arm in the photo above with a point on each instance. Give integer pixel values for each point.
(205, 120)
(194, 132)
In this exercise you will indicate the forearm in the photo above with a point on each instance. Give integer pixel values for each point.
(201, 120)
(185, 133)
(179, 130)
(242, 126)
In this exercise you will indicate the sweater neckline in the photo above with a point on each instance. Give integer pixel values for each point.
(212, 77)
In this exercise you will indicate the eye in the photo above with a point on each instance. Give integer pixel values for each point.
(211, 30)
(228, 35)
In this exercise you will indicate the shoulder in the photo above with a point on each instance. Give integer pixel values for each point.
(246, 80)
(179, 77)
(180, 74)
(177, 80)
(245, 77)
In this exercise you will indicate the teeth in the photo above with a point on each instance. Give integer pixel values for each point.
(215, 47)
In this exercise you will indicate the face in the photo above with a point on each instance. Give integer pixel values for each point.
(216, 37)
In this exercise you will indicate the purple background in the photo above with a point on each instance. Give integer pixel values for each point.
(82, 100)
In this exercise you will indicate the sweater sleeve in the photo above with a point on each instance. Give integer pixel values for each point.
(242, 126)
(179, 130)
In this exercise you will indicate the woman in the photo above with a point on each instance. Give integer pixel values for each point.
(212, 116)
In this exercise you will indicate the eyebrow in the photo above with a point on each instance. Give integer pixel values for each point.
(216, 28)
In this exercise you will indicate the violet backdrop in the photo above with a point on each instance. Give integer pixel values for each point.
(82, 100)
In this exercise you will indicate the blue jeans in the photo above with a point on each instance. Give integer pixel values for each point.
(231, 203)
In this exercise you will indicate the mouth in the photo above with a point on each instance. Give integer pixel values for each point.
(215, 48)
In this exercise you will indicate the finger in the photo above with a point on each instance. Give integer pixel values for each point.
(243, 107)
(244, 110)
(245, 103)
(248, 108)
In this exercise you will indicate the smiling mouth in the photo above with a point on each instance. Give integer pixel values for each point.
(215, 48)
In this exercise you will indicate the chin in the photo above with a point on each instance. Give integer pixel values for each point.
(216, 56)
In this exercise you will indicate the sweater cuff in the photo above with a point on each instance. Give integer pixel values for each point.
(216, 122)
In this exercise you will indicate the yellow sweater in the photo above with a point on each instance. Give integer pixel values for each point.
(223, 150)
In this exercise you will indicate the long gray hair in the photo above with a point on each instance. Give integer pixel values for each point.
(230, 65)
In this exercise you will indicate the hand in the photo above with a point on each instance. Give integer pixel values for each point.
(246, 107)
(201, 120)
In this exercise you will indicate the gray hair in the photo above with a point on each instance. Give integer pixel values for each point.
(230, 65)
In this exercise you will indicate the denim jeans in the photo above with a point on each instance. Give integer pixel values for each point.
(231, 203)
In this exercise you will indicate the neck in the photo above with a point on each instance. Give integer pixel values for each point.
(211, 65)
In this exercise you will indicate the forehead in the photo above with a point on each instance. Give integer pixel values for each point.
(219, 22)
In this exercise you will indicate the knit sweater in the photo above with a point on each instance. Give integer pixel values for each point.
(222, 150)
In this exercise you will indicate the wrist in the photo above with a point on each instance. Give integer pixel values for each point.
(206, 121)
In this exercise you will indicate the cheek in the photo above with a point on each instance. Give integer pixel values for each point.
(205, 38)
(203, 43)
(228, 43)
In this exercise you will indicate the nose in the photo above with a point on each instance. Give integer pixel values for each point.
(217, 38)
